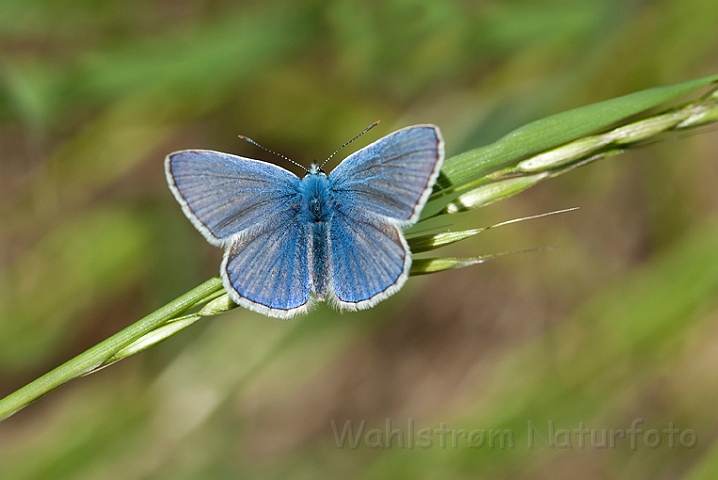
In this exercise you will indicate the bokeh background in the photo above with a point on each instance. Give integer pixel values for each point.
(619, 323)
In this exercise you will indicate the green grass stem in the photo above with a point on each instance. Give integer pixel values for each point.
(94, 358)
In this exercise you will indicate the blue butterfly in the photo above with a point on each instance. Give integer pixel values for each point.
(335, 237)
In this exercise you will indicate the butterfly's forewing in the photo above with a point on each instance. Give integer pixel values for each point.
(251, 208)
(393, 176)
(377, 190)
(224, 194)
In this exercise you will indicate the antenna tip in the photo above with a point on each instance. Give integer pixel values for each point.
(368, 128)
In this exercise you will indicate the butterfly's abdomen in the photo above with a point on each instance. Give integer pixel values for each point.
(317, 212)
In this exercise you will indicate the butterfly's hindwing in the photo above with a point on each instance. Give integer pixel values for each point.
(267, 269)
(369, 258)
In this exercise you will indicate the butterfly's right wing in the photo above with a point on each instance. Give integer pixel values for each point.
(377, 190)
(252, 209)
(370, 259)
(392, 177)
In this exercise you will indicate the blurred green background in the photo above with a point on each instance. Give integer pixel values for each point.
(619, 323)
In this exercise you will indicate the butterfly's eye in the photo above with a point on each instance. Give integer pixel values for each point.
(315, 169)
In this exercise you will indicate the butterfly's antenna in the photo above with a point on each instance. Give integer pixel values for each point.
(350, 141)
(247, 139)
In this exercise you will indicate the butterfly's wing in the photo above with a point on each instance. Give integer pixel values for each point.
(370, 260)
(224, 194)
(252, 209)
(393, 176)
(376, 191)
(268, 270)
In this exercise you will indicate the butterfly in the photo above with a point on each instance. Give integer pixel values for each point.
(289, 241)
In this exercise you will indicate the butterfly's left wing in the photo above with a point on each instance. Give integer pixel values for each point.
(224, 195)
(267, 269)
(252, 209)
(376, 191)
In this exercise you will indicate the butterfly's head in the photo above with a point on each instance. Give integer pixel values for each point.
(315, 169)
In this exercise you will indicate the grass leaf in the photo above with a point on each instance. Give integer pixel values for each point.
(555, 130)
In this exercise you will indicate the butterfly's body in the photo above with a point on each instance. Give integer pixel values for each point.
(317, 209)
(335, 237)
